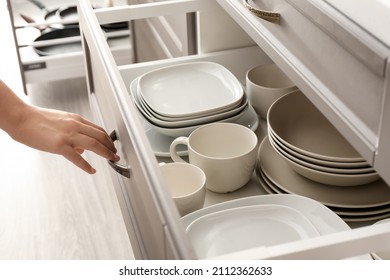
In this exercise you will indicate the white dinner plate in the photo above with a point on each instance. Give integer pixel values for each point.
(323, 219)
(282, 175)
(190, 89)
(246, 227)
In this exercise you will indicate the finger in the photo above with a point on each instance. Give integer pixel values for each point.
(98, 134)
(79, 161)
(83, 142)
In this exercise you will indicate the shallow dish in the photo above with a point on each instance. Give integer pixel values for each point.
(190, 89)
(282, 175)
(243, 228)
(326, 177)
(298, 124)
(323, 219)
(183, 122)
(322, 163)
(383, 255)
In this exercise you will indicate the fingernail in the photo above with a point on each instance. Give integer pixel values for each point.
(117, 158)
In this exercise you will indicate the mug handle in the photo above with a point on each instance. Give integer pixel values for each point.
(172, 148)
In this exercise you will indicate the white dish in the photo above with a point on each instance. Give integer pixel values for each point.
(160, 143)
(323, 219)
(241, 228)
(383, 255)
(325, 177)
(282, 175)
(298, 124)
(186, 131)
(322, 163)
(190, 89)
(179, 123)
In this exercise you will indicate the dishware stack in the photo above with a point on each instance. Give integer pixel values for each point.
(304, 154)
(177, 99)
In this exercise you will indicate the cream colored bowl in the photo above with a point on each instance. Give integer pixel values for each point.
(298, 124)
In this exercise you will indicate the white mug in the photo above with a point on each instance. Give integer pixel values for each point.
(264, 85)
(187, 185)
(226, 152)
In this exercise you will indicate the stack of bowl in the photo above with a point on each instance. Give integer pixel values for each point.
(312, 146)
(177, 99)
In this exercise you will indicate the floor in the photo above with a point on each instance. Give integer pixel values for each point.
(49, 209)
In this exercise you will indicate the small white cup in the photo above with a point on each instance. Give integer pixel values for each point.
(264, 85)
(226, 152)
(187, 185)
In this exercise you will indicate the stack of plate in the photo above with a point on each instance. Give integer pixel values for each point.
(312, 146)
(262, 220)
(177, 99)
(304, 154)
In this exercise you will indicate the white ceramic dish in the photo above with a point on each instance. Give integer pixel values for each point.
(322, 163)
(190, 89)
(383, 255)
(160, 143)
(185, 131)
(323, 219)
(282, 175)
(326, 177)
(241, 228)
(179, 123)
(298, 124)
(224, 111)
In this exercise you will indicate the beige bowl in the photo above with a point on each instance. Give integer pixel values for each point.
(329, 178)
(264, 85)
(299, 125)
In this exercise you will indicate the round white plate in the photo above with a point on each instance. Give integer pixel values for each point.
(282, 175)
(323, 219)
(246, 227)
(190, 89)
(298, 124)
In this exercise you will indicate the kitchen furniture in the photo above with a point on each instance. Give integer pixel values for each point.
(327, 76)
(36, 68)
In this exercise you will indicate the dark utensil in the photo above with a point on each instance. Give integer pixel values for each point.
(61, 13)
(48, 33)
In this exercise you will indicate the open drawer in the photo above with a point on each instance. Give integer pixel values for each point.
(155, 228)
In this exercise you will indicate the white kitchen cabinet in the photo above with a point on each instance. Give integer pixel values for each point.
(155, 229)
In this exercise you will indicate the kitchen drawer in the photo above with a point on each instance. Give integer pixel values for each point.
(153, 223)
(338, 66)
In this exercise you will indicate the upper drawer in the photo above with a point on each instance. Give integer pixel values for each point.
(339, 66)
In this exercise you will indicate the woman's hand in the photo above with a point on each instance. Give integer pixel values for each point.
(63, 133)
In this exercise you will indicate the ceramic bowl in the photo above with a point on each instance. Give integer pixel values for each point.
(299, 125)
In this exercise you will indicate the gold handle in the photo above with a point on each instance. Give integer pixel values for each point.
(273, 17)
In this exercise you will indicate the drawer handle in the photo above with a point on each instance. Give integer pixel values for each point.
(121, 169)
(273, 17)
